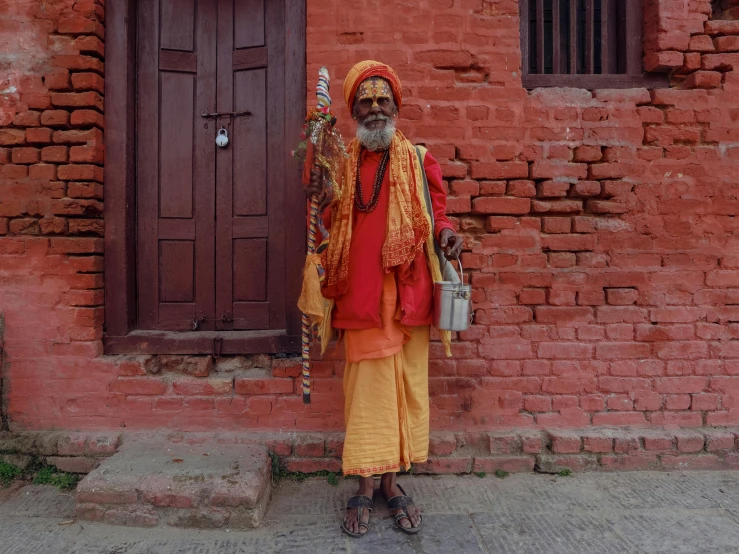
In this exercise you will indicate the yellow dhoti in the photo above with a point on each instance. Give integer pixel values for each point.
(386, 393)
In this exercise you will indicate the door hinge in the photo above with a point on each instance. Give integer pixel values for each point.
(217, 346)
(196, 322)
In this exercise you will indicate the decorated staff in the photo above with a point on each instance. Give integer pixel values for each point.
(322, 149)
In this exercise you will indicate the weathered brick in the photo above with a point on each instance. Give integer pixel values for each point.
(55, 118)
(11, 137)
(564, 442)
(511, 464)
(502, 170)
(635, 461)
(575, 462)
(73, 464)
(597, 443)
(72, 444)
(663, 61)
(139, 386)
(263, 386)
(501, 205)
(703, 79)
(445, 466)
(719, 440)
(659, 442)
(726, 44)
(442, 444)
(311, 446)
(689, 441)
(504, 443)
(694, 461)
(77, 100)
(701, 43)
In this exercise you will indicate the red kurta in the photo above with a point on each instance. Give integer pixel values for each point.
(359, 308)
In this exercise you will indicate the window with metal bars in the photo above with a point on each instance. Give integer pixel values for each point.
(583, 43)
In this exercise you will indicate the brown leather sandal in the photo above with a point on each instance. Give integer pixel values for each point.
(360, 503)
(402, 502)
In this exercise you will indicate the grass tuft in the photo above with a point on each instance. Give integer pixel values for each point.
(279, 472)
(8, 472)
(278, 469)
(565, 472)
(501, 474)
(60, 479)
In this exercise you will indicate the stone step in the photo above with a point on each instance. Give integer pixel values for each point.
(179, 485)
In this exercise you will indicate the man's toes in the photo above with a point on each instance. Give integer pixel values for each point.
(415, 517)
(350, 522)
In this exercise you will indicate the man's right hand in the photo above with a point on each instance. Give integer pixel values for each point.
(316, 182)
(316, 187)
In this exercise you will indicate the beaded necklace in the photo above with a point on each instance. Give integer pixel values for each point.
(379, 176)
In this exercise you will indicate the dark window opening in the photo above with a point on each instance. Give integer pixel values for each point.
(583, 43)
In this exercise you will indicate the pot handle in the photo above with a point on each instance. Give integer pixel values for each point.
(461, 269)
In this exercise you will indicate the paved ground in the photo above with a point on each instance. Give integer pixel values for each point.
(639, 513)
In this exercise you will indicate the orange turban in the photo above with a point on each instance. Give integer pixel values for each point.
(363, 71)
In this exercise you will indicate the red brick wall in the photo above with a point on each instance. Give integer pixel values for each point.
(51, 227)
(599, 226)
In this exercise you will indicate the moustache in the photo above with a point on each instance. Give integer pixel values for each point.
(376, 117)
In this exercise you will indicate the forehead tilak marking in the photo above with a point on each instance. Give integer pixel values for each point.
(374, 87)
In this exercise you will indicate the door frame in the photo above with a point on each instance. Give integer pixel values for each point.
(121, 335)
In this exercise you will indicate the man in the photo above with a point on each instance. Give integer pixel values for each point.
(380, 268)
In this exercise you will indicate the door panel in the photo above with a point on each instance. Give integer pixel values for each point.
(176, 285)
(248, 19)
(175, 145)
(250, 163)
(178, 25)
(249, 276)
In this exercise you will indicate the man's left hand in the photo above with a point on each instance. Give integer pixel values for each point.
(451, 244)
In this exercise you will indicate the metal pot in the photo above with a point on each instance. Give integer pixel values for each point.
(452, 304)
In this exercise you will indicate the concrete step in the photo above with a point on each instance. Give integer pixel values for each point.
(179, 485)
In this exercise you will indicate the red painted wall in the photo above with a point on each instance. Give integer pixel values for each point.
(600, 227)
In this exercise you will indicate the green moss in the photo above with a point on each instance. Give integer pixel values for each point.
(48, 476)
(8, 472)
(481, 474)
(501, 474)
(279, 471)
(565, 473)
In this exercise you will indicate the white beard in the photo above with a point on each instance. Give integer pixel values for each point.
(376, 139)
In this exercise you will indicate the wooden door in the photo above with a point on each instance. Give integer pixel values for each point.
(210, 237)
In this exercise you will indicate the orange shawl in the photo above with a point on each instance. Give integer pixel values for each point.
(407, 224)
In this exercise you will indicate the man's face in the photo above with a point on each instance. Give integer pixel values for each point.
(374, 97)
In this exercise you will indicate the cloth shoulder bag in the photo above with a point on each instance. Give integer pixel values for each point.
(447, 270)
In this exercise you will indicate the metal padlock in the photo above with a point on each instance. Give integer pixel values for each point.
(222, 137)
